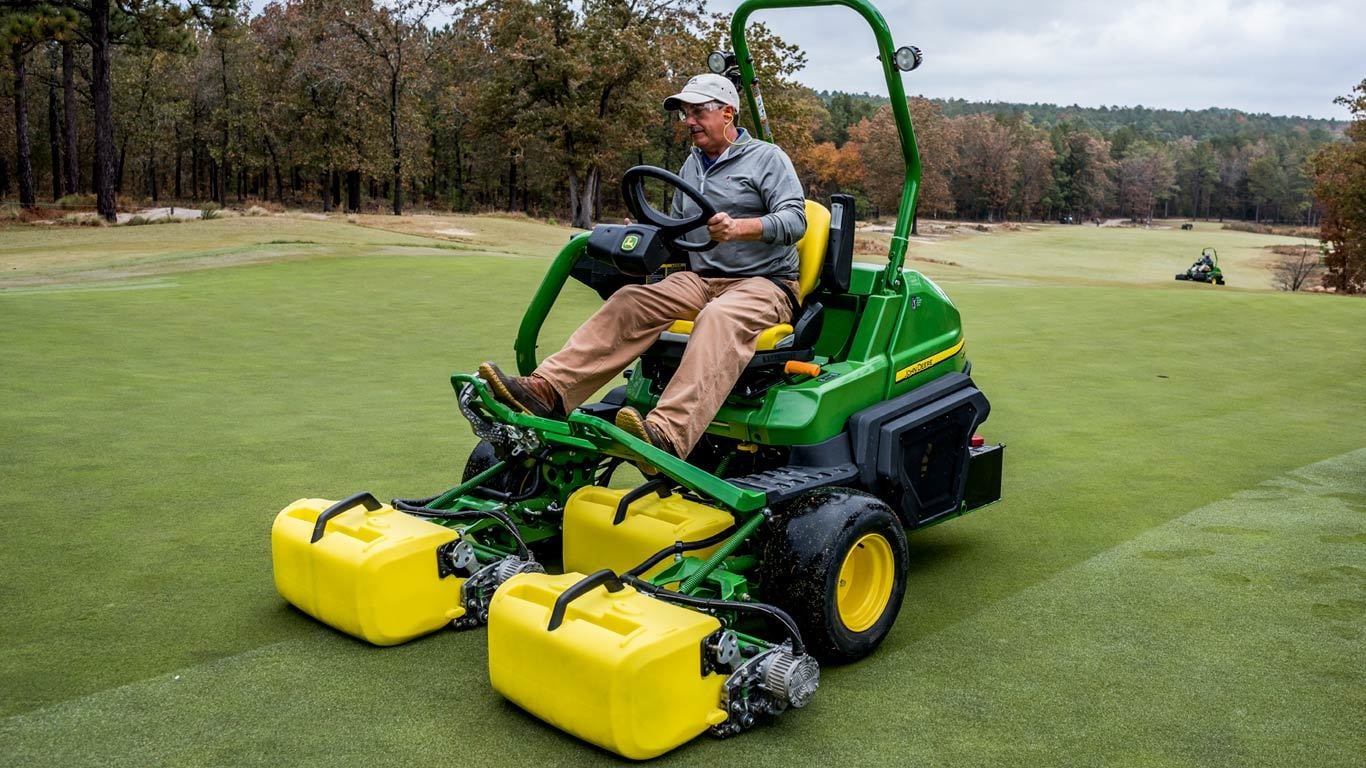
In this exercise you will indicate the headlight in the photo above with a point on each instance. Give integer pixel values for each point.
(719, 61)
(907, 58)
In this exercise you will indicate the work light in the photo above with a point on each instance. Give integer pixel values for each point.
(907, 58)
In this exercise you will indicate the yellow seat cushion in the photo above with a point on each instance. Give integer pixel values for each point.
(811, 248)
(810, 259)
(767, 340)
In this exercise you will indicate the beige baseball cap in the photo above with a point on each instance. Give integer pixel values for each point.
(704, 88)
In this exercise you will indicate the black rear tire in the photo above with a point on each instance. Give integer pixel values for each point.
(514, 480)
(835, 559)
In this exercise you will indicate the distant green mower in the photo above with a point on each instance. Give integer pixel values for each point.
(1205, 269)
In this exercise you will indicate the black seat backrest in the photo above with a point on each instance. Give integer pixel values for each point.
(839, 254)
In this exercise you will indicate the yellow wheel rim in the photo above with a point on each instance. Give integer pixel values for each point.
(865, 583)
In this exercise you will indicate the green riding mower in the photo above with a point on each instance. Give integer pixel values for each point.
(707, 597)
(1205, 269)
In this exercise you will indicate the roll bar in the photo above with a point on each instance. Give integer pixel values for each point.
(909, 153)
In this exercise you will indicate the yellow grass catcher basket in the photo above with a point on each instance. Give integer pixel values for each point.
(600, 533)
(618, 669)
(364, 568)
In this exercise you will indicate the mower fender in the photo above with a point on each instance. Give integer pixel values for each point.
(369, 570)
(913, 450)
(619, 669)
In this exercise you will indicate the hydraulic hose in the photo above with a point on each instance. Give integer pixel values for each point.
(418, 509)
(537, 483)
(679, 547)
(769, 611)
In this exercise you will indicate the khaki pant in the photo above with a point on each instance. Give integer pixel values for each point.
(728, 313)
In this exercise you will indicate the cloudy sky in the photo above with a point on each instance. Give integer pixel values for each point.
(1276, 56)
(1261, 56)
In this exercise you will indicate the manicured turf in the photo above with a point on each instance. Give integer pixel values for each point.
(1081, 254)
(1163, 584)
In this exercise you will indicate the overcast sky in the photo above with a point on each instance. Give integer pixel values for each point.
(1276, 56)
(1263, 56)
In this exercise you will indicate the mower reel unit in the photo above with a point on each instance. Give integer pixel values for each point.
(706, 598)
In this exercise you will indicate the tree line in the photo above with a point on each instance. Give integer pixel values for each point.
(540, 105)
(1035, 161)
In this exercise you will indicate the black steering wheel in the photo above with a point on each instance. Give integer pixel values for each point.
(670, 229)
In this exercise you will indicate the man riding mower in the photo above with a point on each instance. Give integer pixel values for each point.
(742, 279)
(772, 536)
(1205, 269)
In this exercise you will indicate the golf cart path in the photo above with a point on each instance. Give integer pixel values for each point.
(1243, 612)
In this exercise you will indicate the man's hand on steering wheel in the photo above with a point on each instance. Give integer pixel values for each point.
(672, 230)
(723, 228)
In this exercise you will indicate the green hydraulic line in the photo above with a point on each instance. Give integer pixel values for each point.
(721, 554)
(886, 53)
(473, 482)
(544, 299)
(611, 439)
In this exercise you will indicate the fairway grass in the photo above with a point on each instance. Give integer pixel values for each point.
(39, 256)
(1170, 649)
(1174, 577)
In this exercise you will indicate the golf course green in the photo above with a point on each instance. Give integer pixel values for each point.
(1176, 575)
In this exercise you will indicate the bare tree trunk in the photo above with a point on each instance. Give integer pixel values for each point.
(582, 193)
(574, 217)
(123, 156)
(101, 91)
(225, 177)
(327, 191)
(459, 174)
(275, 163)
(434, 180)
(70, 158)
(54, 132)
(352, 191)
(395, 148)
(179, 154)
(24, 151)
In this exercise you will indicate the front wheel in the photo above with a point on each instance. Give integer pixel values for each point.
(836, 561)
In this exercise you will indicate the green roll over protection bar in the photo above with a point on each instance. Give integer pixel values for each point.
(885, 50)
(558, 273)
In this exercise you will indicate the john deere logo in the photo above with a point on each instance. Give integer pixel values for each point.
(630, 243)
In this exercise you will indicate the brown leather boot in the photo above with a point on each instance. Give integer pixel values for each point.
(630, 420)
(527, 394)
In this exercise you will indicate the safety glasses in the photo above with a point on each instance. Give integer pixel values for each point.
(696, 111)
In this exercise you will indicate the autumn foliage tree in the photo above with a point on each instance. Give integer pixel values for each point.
(1147, 174)
(1339, 171)
(539, 106)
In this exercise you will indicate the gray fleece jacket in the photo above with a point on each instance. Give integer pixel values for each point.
(751, 179)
